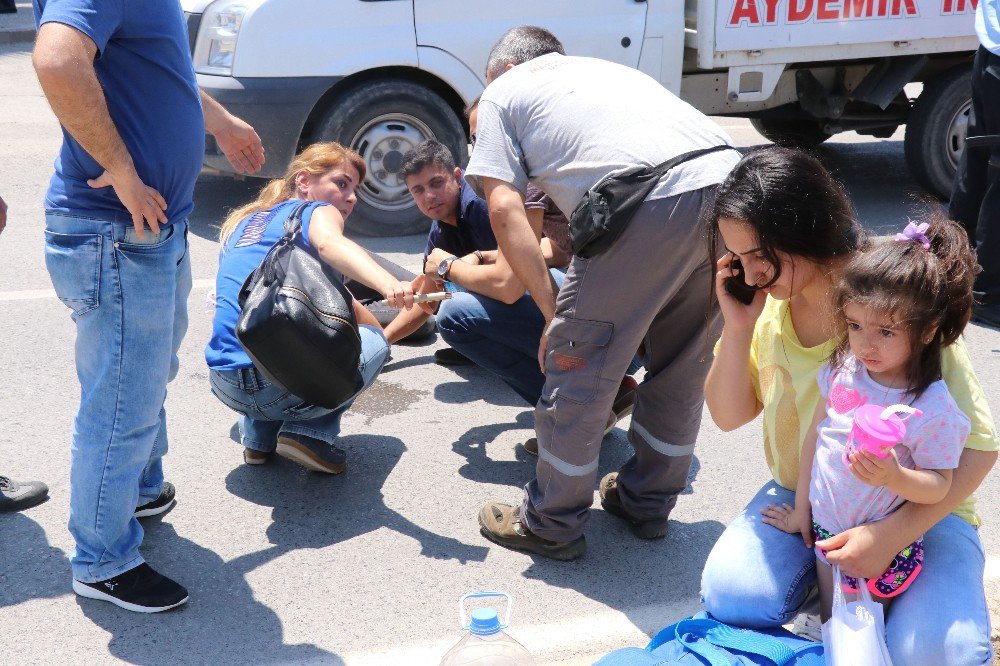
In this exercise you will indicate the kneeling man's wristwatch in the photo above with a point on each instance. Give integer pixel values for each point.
(445, 266)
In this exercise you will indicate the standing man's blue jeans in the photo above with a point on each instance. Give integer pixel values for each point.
(758, 576)
(266, 409)
(128, 297)
(499, 337)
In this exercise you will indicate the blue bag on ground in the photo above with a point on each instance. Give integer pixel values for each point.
(702, 641)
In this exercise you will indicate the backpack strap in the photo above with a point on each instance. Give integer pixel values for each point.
(294, 221)
(710, 639)
(661, 169)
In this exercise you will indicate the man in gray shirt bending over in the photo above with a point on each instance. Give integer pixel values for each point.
(564, 123)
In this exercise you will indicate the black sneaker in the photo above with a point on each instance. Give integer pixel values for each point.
(140, 590)
(449, 356)
(312, 453)
(18, 495)
(161, 504)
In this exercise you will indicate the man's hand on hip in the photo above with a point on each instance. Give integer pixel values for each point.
(143, 202)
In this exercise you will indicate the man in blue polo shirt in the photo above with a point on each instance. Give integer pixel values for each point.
(119, 78)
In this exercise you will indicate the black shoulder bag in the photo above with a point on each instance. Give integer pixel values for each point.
(297, 322)
(608, 207)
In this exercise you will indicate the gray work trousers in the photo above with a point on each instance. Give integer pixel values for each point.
(651, 286)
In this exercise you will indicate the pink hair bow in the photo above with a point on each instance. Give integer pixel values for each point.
(916, 232)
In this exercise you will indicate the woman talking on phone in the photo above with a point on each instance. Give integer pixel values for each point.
(271, 419)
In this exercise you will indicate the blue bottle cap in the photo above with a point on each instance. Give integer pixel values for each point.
(484, 622)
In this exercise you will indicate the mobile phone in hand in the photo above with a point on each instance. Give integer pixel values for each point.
(736, 285)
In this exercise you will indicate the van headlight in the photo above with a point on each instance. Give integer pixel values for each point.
(216, 46)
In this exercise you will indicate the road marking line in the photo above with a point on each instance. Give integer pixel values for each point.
(36, 294)
(568, 640)
(595, 634)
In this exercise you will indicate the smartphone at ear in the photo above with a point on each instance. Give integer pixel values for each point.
(736, 285)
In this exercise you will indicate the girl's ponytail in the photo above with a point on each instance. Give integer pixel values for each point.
(956, 268)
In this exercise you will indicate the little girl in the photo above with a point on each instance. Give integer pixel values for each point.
(902, 301)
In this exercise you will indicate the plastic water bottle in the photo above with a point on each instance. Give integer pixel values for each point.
(486, 644)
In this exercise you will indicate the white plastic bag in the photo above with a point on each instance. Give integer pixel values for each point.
(855, 633)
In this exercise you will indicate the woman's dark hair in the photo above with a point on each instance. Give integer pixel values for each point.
(792, 204)
(919, 289)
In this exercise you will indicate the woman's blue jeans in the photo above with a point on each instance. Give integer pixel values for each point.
(128, 297)
(266, 410)
(758, 576)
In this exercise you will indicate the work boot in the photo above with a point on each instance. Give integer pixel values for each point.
(644, 528)
(501, 524)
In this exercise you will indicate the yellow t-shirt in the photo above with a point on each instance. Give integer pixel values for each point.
(784, 377)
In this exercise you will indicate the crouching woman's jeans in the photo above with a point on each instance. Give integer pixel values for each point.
(266, 410)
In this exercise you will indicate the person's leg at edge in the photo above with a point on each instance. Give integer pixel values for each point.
(987, 237)
(599, 325)
(943, 618)
(970, 181)
(499, 337)
(151, 481)
(757, 576)
(323, 424)
(122, 290)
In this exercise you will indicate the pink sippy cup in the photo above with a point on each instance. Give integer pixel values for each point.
(877, 429)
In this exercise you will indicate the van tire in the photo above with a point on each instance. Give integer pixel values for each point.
(935, 130)
(382, 120)
(791, 133)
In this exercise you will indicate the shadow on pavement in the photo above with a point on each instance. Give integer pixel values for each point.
(635, 576)
(222, 624)
(480, 467)
(312, 510)
(478, 384)
(30, 568)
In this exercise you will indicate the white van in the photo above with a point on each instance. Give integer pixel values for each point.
(381, 76)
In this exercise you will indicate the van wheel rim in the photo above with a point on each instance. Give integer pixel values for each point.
(382, 142)
(958, 129)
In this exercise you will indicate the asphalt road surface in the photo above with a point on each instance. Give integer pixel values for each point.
(366, 567)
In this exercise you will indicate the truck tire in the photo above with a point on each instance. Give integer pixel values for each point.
(936, 128)
(382, 120)
(791, 133)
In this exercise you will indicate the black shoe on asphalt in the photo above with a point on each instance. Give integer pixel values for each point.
(644, 528)
(140, 590)
(18, 495)
(988, 315)
(449, 356)
(312, 453)
(161, 504)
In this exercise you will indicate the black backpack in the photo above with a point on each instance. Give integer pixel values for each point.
(297, 322)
